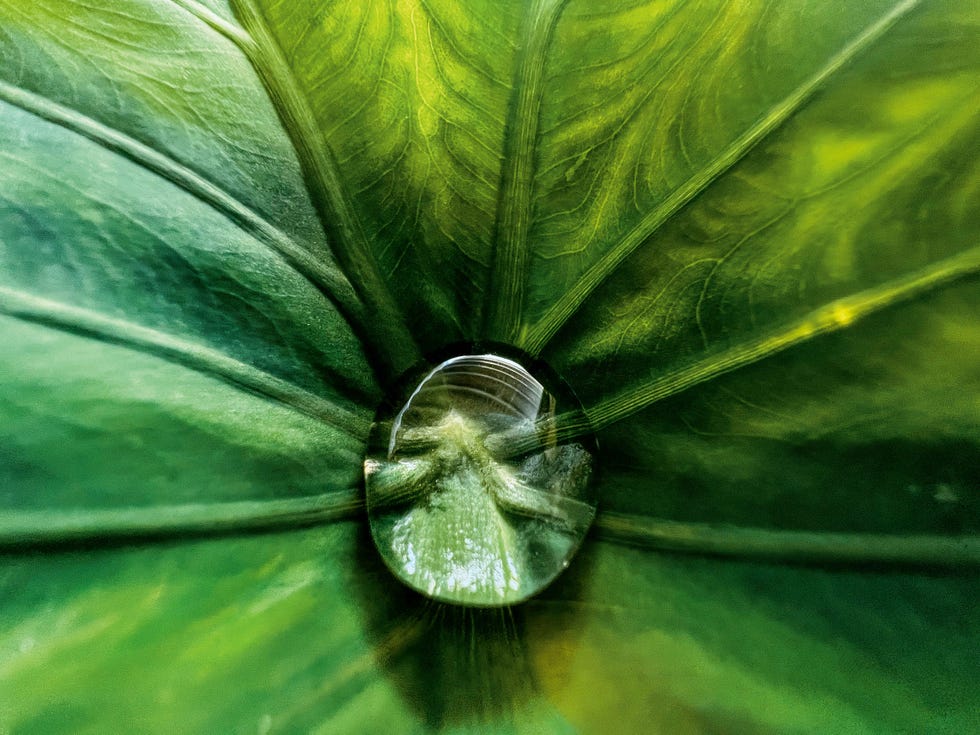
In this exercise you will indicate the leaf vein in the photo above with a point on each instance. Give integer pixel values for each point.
(535, 338)
(327, 280)
(509, 252)
(57, 315)
(45, 528)
(394, 344)
(830, 317)
(791, 545)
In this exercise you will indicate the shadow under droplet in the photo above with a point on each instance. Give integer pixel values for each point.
(454, 666)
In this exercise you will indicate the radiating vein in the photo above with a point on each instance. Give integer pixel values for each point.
(791, 545)
(33, 528)
(508, 265)
(326, 279)
(57, 315)
(537, 337)
(230, 31)
(828, 318)
(344, 232)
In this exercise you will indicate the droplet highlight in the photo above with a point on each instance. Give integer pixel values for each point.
(471, 498)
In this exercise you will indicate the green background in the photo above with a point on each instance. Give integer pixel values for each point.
(745, 233)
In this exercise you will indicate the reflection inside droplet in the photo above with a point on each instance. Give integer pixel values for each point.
(471, 498)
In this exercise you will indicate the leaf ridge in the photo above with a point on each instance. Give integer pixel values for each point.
(329, 281)
(394, 345)
(536, 338)
(44, 528)
(830, 317)
(57, 315)
(232, 32)
(794, 545)
(509, 253)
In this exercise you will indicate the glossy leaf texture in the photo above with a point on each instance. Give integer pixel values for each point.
(745, 233)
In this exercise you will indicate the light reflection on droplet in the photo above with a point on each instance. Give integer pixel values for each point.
(454, 513)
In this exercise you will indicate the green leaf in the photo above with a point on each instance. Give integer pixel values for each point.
(744, 233)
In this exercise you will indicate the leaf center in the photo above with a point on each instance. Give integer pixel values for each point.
(471, 498)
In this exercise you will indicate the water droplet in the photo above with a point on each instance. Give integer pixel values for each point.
(471, 498)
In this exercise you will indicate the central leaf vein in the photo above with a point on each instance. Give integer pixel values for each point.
(508, 265)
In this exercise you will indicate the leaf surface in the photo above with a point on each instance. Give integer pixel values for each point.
(745, 233)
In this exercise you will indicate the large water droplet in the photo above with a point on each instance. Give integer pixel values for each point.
(471, 498)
